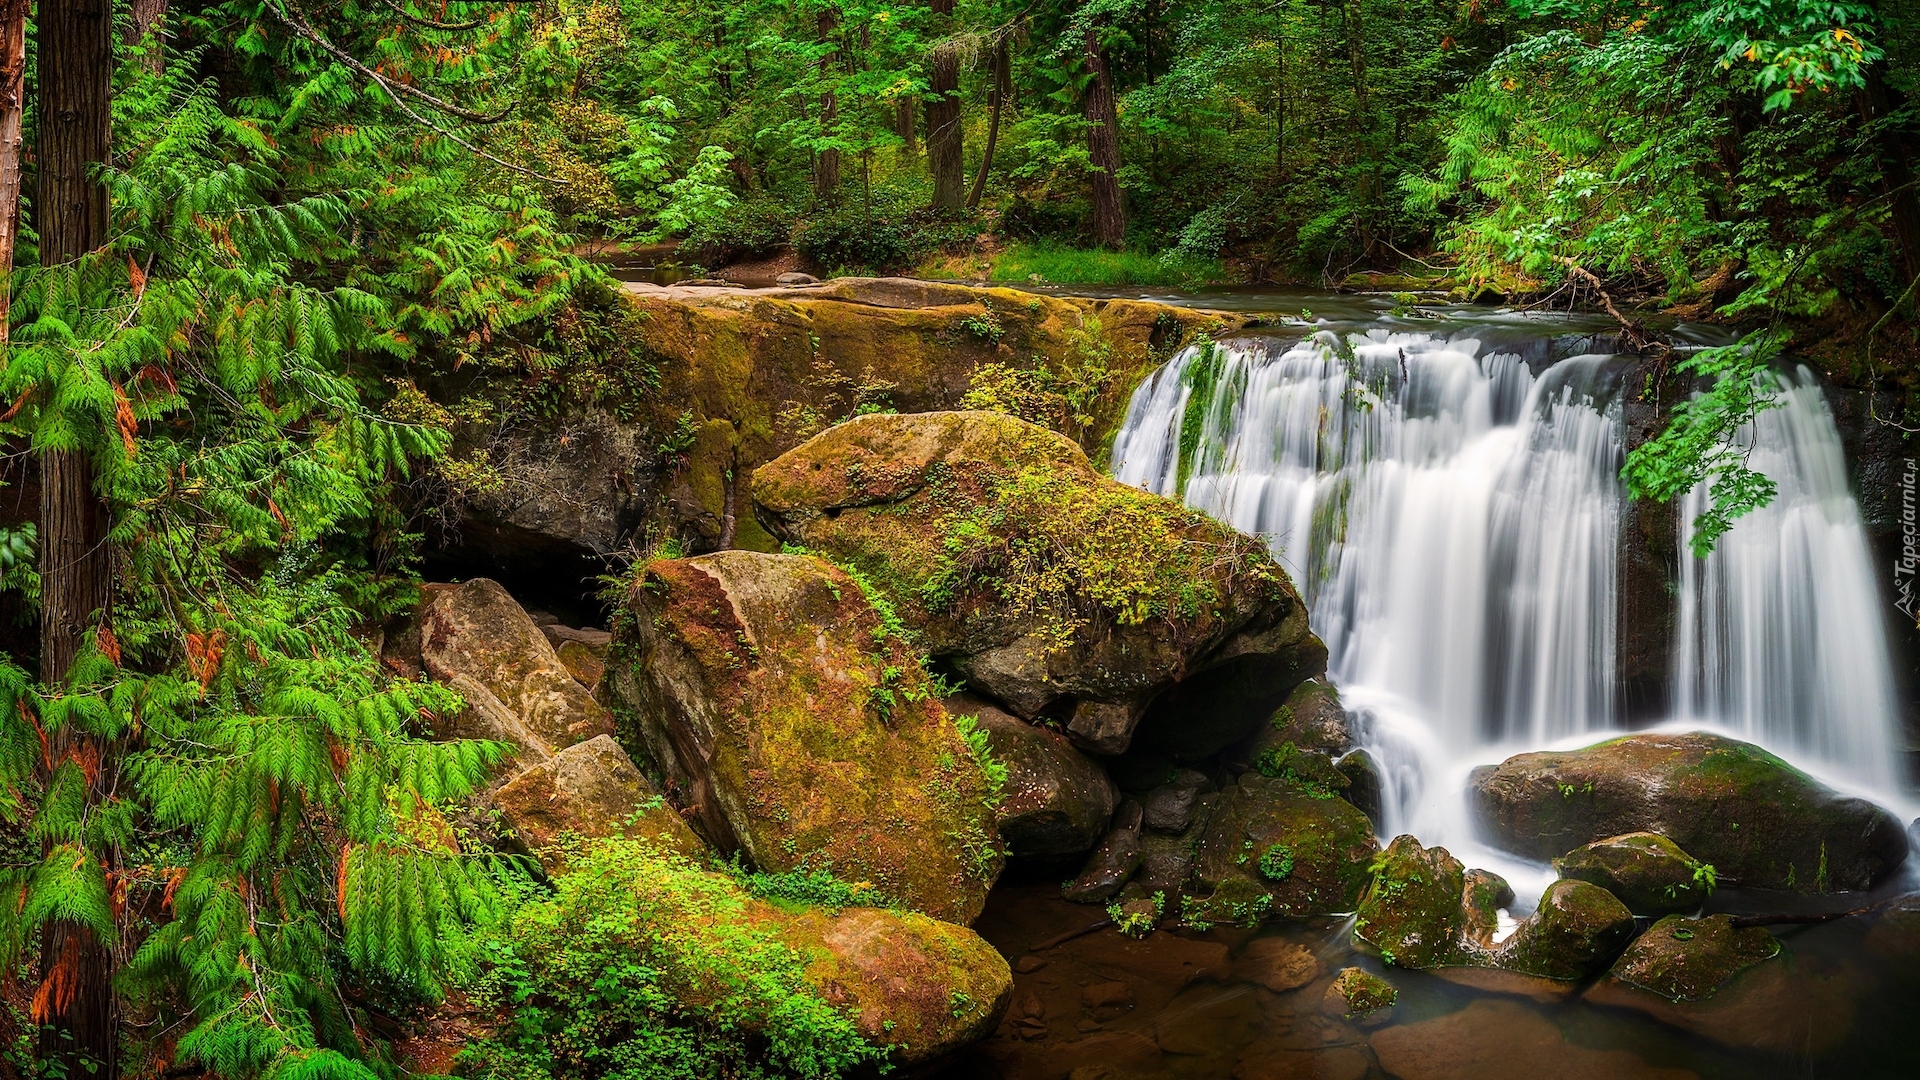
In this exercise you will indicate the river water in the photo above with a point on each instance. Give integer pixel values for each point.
(1443, 484)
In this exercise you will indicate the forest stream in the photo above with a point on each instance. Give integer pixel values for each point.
(1443, 483)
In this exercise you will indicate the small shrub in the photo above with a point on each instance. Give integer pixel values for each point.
(751, 229)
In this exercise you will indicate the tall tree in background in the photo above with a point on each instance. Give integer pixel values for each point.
(1103, 142)
(944, 143)
(826, 162)
(13, 109)
(75, 1003)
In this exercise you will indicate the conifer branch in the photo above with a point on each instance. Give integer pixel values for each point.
(429, 23)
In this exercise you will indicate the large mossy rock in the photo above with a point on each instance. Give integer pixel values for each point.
(477, 639)
(714, 382)
(1057, 801)
(1647, 871)
(1577, 929)
(1051, 588)
(1280, 847)
(1761, 822)
(1414, 913)
(794, 726)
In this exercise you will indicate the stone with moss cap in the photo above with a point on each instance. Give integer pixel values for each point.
(1412, 913)
(1761, 822)
(1648, 872)
(1049, 587)
(1282, 848)
(1360, 995)
(793, 724)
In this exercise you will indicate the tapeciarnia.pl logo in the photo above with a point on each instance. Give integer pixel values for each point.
(1909, 561)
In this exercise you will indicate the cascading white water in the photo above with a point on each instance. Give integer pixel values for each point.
(1779, 637)
(1452, 519)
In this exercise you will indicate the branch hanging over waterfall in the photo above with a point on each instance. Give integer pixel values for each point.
(1636, 335)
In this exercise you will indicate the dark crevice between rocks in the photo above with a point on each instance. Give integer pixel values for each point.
(542, 575)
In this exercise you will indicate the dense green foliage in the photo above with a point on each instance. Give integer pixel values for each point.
(644, 967)
(317, 210)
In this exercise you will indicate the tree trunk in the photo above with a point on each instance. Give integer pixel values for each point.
(145, 18)
(76, 1008)
(13, 91)
(826, 163)
(1103, 146)
(945, 153)
(1002, 75)
(906, 119)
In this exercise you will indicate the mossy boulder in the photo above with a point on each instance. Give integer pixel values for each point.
(1423, 909)
(590, 790)
(1684, 959)
(792, 724)
(1311, 718)
(1734, 985)
(1577, 930)
(1049, 587)
(1646, 871)
(477, 639)
(1281, 845)
(1761, 822)
(1413, 913)
(1057, 801)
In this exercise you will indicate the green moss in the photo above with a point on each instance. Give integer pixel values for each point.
(1684, 959)
(1364, 992)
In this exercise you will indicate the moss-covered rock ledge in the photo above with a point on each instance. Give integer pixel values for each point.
(659, 430)
(1049, 587)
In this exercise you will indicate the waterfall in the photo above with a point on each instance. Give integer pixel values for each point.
(1779, 634)
(1451, 515)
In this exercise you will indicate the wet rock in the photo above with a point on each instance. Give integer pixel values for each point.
(1732, 985)
(1646, 871)
(1424, 910)
(1107, 1000)
(1169, 808)
(1684, 959)
(1577, 930)
(795, 277)
(1498, 1038)
(1312, 718)
(927, 505)
(1112, 863)
(1360, 996)
(1413, 913)
(1263, 1062)
(1366, 784)
(1057, 802)
(795, 729)
(1894, 938)
(1758, 820)
(1166, 862)
(475, 638)
(1277, 964)
(1273, 846)
(590, 790)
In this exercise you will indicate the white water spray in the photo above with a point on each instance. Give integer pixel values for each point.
(1452, 519)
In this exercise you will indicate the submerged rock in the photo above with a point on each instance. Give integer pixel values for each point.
(1275, 846)
(983, 531)
(1497, 1038)
(793, 726)
(1648, 872)
(477, 639)
(1759, 821)
(1684, 959)
(1057, 802)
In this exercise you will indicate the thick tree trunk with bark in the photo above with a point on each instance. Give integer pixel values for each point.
(997, 100)
(145, 18)
(945, 152)
(826, 163)
(75, 1005)
(13, 101)
(906, 121)
(1103, 146)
